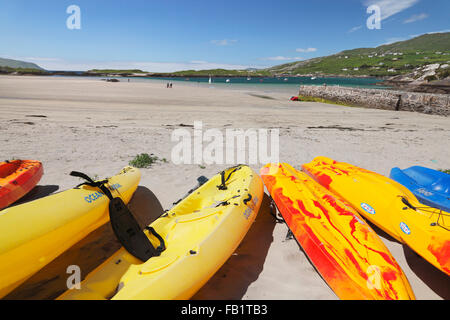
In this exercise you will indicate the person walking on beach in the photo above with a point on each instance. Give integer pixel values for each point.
(170, 85)
(167, 85)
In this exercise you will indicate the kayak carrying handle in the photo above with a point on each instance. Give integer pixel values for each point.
(246, 200)
(162, 244)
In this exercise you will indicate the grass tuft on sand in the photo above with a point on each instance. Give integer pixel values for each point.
(316, 99)
(145, 160)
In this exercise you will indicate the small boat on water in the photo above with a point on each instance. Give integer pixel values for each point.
(210, 80)
(227, 81)
(313, 78)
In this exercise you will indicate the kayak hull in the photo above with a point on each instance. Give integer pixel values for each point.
(390, 206)
(35, 233)
(17, 178)
(346, 252)
(431, 187)
(201, 232)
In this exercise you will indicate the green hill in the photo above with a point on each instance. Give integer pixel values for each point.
(386, 60)
(434, 42)
(115, 71)
(216, 73)
(397, 58)
(16, 64)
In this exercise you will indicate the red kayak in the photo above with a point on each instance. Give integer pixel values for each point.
(17, 178)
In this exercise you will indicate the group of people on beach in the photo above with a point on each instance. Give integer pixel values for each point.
(169, 84)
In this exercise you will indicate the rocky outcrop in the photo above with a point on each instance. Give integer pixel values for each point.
(432, 78)
(438, 104)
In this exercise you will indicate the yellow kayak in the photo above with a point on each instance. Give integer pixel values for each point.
(200, 233)
(347, 253)
(35, 233)
(390, 206)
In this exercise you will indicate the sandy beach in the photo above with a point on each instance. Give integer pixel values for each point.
(97, 127)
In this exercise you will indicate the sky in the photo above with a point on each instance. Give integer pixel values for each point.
(170, 35)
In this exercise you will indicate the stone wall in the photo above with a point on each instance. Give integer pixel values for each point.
(428, 103)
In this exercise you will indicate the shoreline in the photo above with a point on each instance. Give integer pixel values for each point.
(382, 83)
(194, 76)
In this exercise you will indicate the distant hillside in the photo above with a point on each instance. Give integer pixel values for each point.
(386, 60)
(398, 58)
(16, 64)
(115, 71)
(215, 72)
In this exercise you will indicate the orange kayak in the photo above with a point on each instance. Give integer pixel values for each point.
(17, 178)
(390, 206)
(346, 252)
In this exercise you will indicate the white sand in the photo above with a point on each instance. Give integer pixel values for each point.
(98, 127)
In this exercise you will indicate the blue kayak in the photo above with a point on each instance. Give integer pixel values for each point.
(431, 187)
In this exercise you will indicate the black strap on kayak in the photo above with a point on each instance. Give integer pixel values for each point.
(224, 180)
(431, 210)
(274, 210)
(227, 202)
(89, 182)
(223, 203)
(406, 202)
(124, 224)
(222, 186)
(246, 200)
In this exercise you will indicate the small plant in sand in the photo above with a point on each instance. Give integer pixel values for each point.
(145, 160)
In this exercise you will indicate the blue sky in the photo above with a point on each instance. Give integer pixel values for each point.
(168, 35)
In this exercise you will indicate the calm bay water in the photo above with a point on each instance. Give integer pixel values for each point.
(267, 84)
(350, 82)
(283, 84)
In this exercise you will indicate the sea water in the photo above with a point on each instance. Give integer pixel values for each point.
(280, 84)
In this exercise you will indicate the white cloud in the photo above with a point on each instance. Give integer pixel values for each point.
(40, 59)
(281, 58)
(416, 17)
(391, 7)
(393, 40)
(307, 50)
(354, 29)
(442, 31)
(224, 42)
